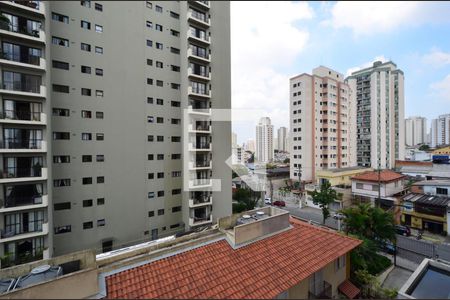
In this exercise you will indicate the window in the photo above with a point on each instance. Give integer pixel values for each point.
(151, 175)
(160, 193)
(61, 182)
(60, 41)
(158, 9)
(160, 212)
(85, 92)
(160, 157)
(176, 121)
(85, 25)
(158, 27)
(100, 179)
(85, 47)
(87, 203)
(176, 156)
(149, 24)
(100, 136)
(60, 65)
(159, 83)
(98, 28)
(99, 93)
(150, 100)
(175, 103)
(98, 7)
(63, 229)
(160, 175)
(174, 15)
(176, 209)
(149, 81)
(86, 69)
(150, 138)
(159, 120)
(176, 174)
(86, 136)
(88, 225)
(61, 135)
(61, 88)
(61, 159)
(359, 186)
(151, 214)
(99, 72)
(87, 114)
(159, 46)
(174, 32)
(149, 4)
(98, 50)
(99, 114)
(441, 191)
(175, 50)
(100, 158)
(61, 112)
(151, 195)
(86, 158)
(175, 68)
(175, 86)
(149, 43)
(100, 201)
(60, 18)
(61, 206)
(101, 222)
(339, 263)
(150, 62)
(159, 64)
(150, 156)
(150, 119)
(176, 191)
(160, 138)
(86, 3)
(159, 101)
(176, 139)
(87, 180)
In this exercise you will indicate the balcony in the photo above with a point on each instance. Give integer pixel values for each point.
(10, 236)
(23, 146)
(200, 147)
(30, 62)
(197, 38)
(200, 4)
(200, 201)
(35, 8)
(199, 110)
(196, 221)
(12, 175)
(199, 128)
(200, 165)
(23, 117)
(22, 34)
(206, 76)
(200, 183)
(196, 55)
(198, 19)
(23, 203)
(18, 89)
(325, 292)
(199, 93)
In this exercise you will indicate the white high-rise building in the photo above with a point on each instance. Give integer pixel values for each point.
(440, 130)
(378, 92)
(282, 134)
(415, 131)
(275, 143)
(250, 145)
(322, 123)
(264, 141)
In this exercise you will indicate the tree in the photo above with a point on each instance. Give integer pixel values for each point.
(286, 160)
(424, 147)
(248, 197)
(323, 198)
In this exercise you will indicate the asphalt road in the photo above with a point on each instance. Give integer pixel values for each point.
(309, 213)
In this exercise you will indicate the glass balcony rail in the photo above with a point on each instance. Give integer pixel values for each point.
(13, 172)
(14, 201)
(21, 144)
(22, 86)
(17, 57)
(20, 115)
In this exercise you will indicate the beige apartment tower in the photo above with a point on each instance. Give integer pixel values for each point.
(415, 131)
(378, 92)
(106, 107)
(322, 123)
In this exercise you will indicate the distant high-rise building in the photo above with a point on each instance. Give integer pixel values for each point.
(275, 143)
(440, 130)
(250, 145)
(378, 92)
(415, 131)
(282, 135)
(264, 141)
(322, 127)
(233, 139)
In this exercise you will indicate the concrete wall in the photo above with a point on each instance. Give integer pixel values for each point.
(387, 190)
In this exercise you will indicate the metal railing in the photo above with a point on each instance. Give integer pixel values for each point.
(202, 164)
(31, 4)
(21, 144)
(202, 219)
(20, 115)
(36, 227)
(22, 86)
(199, 16)
(13, 172)
(23, 200)
(202, 145)
(203, 199)
(27, 59)
(22, 30)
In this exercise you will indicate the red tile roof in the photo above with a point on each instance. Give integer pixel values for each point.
(400, 163)
(385, 176)
(349, 289)
(262, 269)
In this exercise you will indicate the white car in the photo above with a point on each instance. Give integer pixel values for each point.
(267, 200)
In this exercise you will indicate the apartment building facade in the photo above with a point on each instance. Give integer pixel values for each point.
(378, 92)
(264, 141)
(282, 136)
(415, 131)
(321, 121)
(100, 130)
(440, 131)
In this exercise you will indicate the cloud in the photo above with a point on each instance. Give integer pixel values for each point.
(366, 65)
(264, 42)
(365, 18)
(441, 89)
(436, 58)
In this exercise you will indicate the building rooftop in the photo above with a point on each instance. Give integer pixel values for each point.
(384, 176)
(262, 269)
(339, 170)
(427, 199)
(435, 182)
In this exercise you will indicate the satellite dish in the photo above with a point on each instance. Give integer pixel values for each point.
(260, 213)
(40, 269)
(246, 216)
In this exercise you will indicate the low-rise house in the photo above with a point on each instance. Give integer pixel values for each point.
(432, 187)
(426, 212)
(340, 180)
(423, 169)
(261, 254)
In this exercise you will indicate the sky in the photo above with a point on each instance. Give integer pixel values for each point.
(273, 41)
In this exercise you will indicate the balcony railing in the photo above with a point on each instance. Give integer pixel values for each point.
(30, 4)
(202, 219)
(23, 200)
(22, 86)
(20, 115)
(200, 182)
(325, 292)
(199, 16)
(26, 59)
(35, 227)
(202, 164)
(22, 30)
(199, 54)
(14, 172)
(21, 144)
(201, 145)
(200, 200)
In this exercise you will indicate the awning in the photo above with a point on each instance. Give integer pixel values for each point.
(349, 289)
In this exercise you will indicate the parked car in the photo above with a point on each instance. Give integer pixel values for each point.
(338, 216)
(268, 200)
(280, 203)
(402, 230)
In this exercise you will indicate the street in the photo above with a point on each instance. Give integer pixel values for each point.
(309, 213)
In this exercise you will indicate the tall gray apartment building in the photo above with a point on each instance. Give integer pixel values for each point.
(95, 95)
